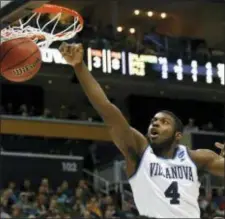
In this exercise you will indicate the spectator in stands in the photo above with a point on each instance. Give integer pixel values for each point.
(105, 202)
(203, 201)
(32, 111)
(93, 206)
(86, 214)
(24, 203)
(17, 211)
(63, 112)
(208, 127)
(47, 113)
(23, 110)
(41, 204)
(127, 211)
(26, 186)
(85, 189)
(45, 186)
(96, 207)
(79, 207)
(12, 185)
(63, 193)
(191, 127)
(110, 212)
(3, 214)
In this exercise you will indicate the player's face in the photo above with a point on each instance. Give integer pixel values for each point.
(161, 131)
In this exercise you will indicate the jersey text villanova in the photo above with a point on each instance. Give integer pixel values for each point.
(175, 172)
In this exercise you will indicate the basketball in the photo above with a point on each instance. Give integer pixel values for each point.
(20, 59)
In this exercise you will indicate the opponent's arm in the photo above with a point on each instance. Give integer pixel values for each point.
(209, 160)
(125, 137)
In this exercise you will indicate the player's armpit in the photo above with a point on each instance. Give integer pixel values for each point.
(125, 137)
(209, 161)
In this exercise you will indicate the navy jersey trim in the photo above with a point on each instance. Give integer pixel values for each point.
(138, 164)
(189, 156)
(199, 170)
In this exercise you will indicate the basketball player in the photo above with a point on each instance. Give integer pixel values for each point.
(162, 173)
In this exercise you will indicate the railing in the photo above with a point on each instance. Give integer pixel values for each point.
(98, 183)
(126, 196)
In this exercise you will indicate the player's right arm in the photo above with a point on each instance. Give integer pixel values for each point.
(129, 141)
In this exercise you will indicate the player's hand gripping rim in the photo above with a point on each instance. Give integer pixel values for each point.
(221, 147)
(72, 53)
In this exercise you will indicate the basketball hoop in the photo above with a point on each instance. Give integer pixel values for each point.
(43, 34)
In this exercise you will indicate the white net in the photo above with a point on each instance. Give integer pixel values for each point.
(43, 34)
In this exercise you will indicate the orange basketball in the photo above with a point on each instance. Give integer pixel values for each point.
(20, 59)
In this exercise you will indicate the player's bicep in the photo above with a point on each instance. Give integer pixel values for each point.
(216, 166)
(209, 161)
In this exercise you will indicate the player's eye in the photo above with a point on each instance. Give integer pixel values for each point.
(165, 122)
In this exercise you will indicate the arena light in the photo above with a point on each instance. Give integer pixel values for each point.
(150, 13)
(119, 29)
(136, 12)
(163, 15)
(132, 30)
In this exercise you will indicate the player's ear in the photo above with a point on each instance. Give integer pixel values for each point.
(179, 135)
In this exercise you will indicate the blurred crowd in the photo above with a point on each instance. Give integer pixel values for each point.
(64, 112)
(89, 114)
(212, 205)
(65, 202)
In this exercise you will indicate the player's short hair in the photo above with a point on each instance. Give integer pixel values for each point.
(179, 126)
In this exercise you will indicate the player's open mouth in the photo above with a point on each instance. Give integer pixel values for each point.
(154, 134)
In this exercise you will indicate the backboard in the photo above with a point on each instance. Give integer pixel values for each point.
(11, 11)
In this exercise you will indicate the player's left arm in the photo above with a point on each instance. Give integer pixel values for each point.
(209, 160)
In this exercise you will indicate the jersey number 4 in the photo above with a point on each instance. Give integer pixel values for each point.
(172, 193)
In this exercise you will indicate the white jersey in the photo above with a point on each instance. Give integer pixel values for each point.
(166, 188)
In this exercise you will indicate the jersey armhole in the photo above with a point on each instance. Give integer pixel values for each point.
(190, 158)
(138, 163)
(200, 170)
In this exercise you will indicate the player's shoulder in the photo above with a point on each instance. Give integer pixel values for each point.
(200, 153)
(201, 156)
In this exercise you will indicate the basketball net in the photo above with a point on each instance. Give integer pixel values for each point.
(43, 34)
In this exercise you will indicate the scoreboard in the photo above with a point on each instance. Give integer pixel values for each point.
(147, 67)
(155, 67)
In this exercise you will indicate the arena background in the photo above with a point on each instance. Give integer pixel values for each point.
(57, 159)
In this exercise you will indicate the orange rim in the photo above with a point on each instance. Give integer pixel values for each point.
(54, 9)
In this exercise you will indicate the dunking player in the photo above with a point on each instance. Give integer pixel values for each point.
(162, 173)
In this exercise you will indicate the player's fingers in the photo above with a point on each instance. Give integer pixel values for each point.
(63, 47)
(219, 145)
(76, 47)
(68, 50)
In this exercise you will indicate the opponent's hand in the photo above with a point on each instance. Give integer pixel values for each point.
(72, 53)
(221, 147)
